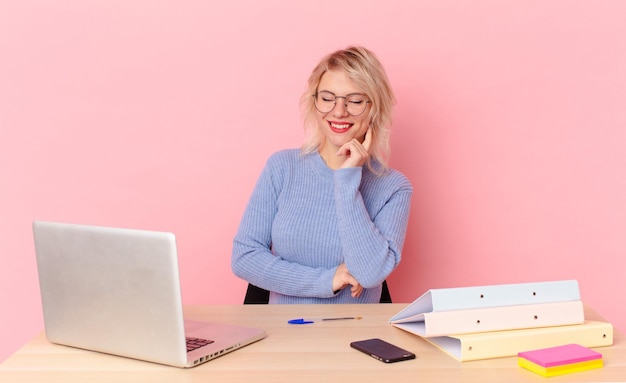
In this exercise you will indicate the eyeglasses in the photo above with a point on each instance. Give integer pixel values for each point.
(355, 103)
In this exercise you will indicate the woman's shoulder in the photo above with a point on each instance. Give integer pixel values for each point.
(288, 157)
(285, 155)
(284, 159)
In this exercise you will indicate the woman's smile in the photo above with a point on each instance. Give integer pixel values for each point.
(339, 127)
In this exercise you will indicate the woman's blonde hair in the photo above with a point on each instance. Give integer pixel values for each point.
(366, 71)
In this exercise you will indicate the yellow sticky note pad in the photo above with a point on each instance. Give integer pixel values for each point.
(560, 360)
(560, 370)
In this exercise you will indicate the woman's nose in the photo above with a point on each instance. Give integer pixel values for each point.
(340, 108)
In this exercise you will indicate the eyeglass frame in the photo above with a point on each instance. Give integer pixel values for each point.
(335, 101)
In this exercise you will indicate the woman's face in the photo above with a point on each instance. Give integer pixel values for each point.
(338, 126)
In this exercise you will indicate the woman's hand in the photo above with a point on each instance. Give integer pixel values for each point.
(343, 278)
(356, 153)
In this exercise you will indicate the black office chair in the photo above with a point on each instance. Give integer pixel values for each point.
(258, 296)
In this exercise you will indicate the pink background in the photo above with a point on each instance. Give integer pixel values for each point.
(511, 124)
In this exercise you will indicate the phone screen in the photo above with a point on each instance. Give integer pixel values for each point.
(381, 350)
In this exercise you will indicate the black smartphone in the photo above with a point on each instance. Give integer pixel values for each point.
(381, 350)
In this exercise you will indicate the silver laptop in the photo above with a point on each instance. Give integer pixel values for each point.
(117, 291)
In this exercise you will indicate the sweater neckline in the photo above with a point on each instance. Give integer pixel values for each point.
(319, 165)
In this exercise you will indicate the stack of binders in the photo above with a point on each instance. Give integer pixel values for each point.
(482, 322)
(560, 360)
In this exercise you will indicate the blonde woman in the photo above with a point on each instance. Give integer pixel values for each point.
(326, 223)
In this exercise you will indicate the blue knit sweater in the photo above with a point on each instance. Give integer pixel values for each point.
(304, 219)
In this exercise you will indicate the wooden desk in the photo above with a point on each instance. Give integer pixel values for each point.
(317, 352)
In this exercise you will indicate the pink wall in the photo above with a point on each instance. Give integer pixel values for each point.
(511, 124)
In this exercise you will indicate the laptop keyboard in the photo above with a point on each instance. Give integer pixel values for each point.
(196, 343)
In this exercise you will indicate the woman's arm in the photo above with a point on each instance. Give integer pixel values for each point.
(372, 236)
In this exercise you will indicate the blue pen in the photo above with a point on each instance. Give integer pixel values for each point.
(307, 321)
(300, 321)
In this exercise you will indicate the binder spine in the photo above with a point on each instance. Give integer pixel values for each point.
(503, 318)
(504, 295)
(509, 343)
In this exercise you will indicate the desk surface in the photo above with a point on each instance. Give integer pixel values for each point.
(318, 352)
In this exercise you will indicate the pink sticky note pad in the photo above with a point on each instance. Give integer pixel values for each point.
(560, 355)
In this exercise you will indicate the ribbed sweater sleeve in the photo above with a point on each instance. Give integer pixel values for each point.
(303, 220)
(371, 244)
